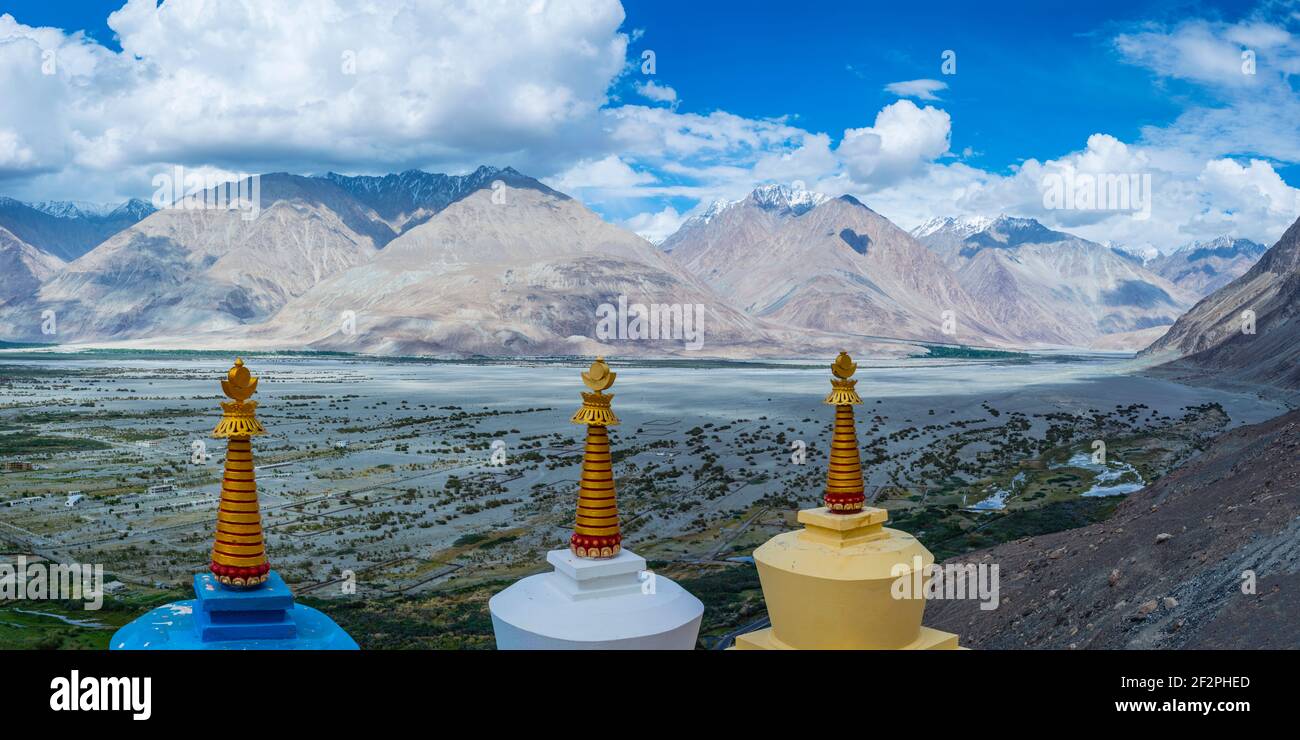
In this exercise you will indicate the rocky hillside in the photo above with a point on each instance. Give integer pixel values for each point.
(1214, 339)
(1167, 569)
(407, 199)
(192, 271)
(806, 260)
(23, 268)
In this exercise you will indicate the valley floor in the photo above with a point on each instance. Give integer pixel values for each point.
(380, 474)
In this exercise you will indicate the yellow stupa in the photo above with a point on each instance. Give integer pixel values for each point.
(828, 586)
(238, 550)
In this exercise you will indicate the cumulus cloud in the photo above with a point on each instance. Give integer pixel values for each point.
(658, 93)
(903, 139)
(447, 85)
(608, 173)
(655, 227)
(919, 89)
(376, 85)
(1189, 199)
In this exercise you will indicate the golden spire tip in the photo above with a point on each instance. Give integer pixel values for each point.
(844, 367)
(599, 377)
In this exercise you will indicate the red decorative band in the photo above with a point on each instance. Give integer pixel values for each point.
(241, 577)
(844, 503)
(591, 546)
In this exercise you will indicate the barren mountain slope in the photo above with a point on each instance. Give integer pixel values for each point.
(1214, 338)
(828, 264)
(23, 268)
(522, 273)
(1167, 569)
(1050, 287)
(187, 271)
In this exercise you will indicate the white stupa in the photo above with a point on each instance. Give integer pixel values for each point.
(599, 596)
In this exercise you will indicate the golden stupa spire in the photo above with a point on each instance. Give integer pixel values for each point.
(239, 553)
(595, 532)
(845, 491)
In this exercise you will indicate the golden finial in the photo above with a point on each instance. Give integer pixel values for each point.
(239, 419)
(241, 384)
(599, 377)
(596, 406)
(842, 392)
(844, 366)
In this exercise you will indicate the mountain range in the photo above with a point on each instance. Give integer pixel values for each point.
(1202, 267)
(1050, 287)
(1248, 330)
(830, 264)
(68, 229)
(495, 262)
(512, 270)
(492, 262)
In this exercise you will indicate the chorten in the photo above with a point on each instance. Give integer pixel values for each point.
(829, 585)
(598, 595)
(241, 603)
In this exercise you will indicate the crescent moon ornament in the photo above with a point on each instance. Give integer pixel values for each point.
(240, 384)
(599, 377)
(844, 366)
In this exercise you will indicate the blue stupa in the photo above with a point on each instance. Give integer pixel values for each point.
(241, 604)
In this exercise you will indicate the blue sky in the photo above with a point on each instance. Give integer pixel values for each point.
(836, 96)
(1033, 79)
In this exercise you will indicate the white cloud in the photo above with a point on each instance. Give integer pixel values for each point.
(608, 173)
(903, 139)
(449, 85)
(244, 85)
(919, 89)
(655, 227)
(1190, 199)
(14, 155)
(1212, 53)
(658, 93)
(811, 160)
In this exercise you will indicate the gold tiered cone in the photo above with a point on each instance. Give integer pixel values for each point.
(596, 532)
(845, 492)
(239, 552)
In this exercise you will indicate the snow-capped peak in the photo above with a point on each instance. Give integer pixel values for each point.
(798, 199)
(715, 208)
(73, 208)
(960, 226)
(1143, 253)
(135, 208)
(80, 209)
(1225, 243)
